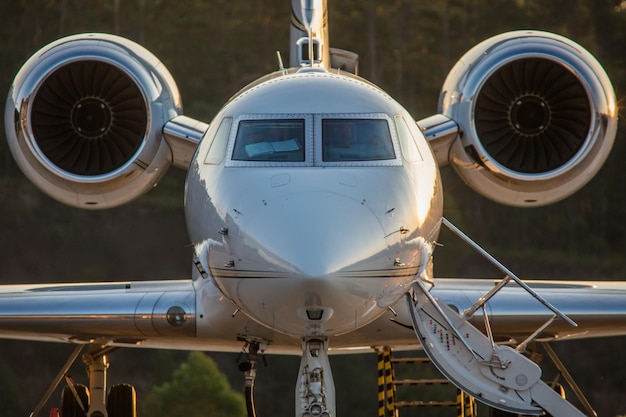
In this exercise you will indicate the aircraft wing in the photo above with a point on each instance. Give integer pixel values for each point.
(122, 312)
(153, 314)
(165, 314)
(598, 309)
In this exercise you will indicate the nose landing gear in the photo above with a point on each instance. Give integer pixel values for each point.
(315, 393)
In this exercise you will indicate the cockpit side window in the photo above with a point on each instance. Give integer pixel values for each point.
(351, 139)
(270, 140)
(409, 148)
(218, 145)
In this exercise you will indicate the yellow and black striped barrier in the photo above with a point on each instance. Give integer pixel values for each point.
(386, 387)
(388, 404)
(466, 405)
(381, 382)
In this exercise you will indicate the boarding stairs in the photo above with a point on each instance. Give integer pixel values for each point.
(497, 375)
(433, 391)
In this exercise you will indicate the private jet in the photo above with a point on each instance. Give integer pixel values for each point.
(314, 203)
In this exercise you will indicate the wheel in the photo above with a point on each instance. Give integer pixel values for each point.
(69, 405)
(122, 401)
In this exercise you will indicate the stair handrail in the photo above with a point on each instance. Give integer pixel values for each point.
(508, 276)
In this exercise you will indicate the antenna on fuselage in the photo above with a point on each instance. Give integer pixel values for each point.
(281, 67)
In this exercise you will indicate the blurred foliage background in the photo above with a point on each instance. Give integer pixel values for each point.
(213, 48)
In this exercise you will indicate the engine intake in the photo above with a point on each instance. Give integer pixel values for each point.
(84, 119)
(532, 116)
(89, 118)
(537, 114)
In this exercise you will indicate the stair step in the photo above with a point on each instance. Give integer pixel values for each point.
(439, 381)
(411, 360)
(426, 404)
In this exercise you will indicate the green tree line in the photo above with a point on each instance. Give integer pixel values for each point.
(215, 47)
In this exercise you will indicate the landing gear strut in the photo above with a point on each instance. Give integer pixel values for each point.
(97, 365)
(315, 393)
(82, 401)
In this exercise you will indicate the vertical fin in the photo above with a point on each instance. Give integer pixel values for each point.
(309, 17)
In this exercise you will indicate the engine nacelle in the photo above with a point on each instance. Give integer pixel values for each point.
(84, 119)
(537, 115)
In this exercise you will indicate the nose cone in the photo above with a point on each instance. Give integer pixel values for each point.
(306, 253)
(314, 234)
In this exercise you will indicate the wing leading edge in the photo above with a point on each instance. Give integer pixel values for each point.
(183, 315)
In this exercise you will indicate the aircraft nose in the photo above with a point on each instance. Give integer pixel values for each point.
(314, 234)
(310, 252)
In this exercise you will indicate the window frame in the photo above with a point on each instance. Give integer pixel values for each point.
(313, 151)
(308, 144)
(319, 161)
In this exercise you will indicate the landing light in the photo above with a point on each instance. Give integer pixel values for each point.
(176, 316)
(314, 313)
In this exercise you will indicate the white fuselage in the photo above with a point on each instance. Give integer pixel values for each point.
(303, 233)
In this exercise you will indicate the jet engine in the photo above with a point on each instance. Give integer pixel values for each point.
(84, 119)
(537, 116)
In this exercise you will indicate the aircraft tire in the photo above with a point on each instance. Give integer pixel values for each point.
(122, 401)
(69, 405)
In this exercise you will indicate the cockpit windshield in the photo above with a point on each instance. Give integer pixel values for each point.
(313, 140)
(270, 140)
(356, 140)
